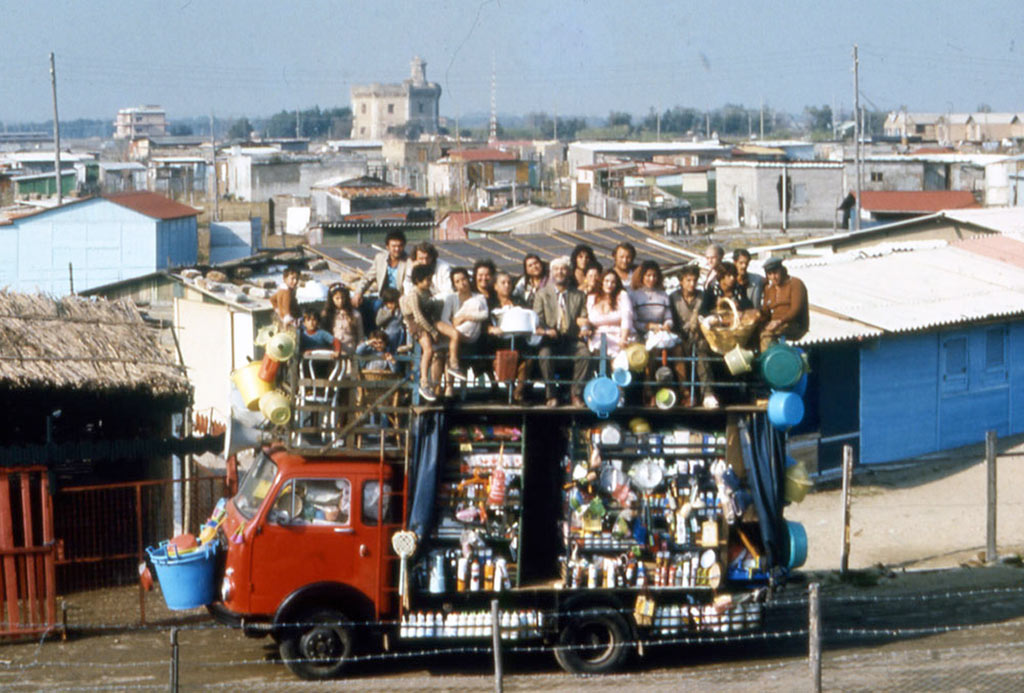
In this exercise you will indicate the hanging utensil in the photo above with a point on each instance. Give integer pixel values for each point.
(404, 544)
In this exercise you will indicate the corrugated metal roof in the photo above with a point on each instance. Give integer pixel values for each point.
(827, 328)
(152, 205)
(481, 155)
(507, 251)
(505, 221)
(1002, 219)
(916, 200)
(996, 247)
(909, 291)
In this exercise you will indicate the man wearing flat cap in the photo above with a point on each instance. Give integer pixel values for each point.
(784, 306)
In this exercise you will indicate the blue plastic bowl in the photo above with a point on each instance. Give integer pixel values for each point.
(797, 544)
(187, 581)
(785, 409)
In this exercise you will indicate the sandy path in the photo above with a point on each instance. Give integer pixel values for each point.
(928, 515)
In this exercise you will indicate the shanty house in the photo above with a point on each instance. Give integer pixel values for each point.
(89, 398)
(774, 194)
(96, 241)
(915, 347)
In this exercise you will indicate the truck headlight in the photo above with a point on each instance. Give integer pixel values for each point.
(227, 589)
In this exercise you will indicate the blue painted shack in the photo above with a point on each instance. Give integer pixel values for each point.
(914, 348)
(96, 241)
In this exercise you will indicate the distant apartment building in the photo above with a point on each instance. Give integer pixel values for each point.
(410, 108)
(140, 121)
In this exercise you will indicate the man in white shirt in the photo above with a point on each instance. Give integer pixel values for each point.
(426, 254)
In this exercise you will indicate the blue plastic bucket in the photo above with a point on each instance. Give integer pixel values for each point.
(785, 409)
(187, 581)
(797, 544)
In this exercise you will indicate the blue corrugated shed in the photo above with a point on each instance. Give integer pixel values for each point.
(932, 344)
(102, 240)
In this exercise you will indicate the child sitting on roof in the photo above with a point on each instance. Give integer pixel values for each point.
(312, 337)
(375, 351)
(285, 303)
(389, 319)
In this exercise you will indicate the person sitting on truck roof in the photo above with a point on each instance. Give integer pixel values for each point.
(388, 269)
(375, 353)
(724, 288)
(559, 307)
(507, 299)
(389, 319)
(535, 276)
(685, 314)
(623, 259)
(582, 257)
(785, 305)
(749, 283)
(341, 319)
(312, 337)
(591, 278)
(610, 316)
(467, 313)
(426, 254)
(422, 313)
(285, 303)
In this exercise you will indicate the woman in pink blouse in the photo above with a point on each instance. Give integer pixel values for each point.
(610, 314)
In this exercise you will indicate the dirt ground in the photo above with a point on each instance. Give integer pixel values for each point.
(920, 611)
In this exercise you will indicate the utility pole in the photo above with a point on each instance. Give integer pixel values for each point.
(298, 123)
(56, 131)
(762, 118)
(856, 136)
(213, 169)
(493, 130)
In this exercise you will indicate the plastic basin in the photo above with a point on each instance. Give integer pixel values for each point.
(187, 580)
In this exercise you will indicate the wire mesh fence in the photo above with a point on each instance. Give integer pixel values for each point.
(946, 640)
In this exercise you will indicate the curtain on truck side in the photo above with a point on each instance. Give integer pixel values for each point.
(764, 456)
(429, 436)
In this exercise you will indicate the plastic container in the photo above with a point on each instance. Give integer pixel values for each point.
(797, 544)
(785, 409)
(602, 396)
(798, 483)
(250, 386)
(782, 366)
(622, 377)
(187, 581)
(281, 346)
(274, 406)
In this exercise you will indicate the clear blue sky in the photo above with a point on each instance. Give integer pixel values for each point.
(571, 56)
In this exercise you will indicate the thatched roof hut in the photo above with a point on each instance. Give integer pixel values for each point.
(78, 344)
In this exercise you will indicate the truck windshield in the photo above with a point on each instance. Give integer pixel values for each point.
(255, 486)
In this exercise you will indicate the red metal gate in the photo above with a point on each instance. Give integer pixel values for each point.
(27, 552)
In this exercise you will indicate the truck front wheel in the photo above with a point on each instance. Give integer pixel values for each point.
(319, 646)
(594, 641)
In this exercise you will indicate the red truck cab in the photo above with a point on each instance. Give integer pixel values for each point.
(305, 549)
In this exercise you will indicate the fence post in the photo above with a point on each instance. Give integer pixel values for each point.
(814, 635)
(496, 645)
(174, 660)
(140, 548)
(990, 524)
(844, 555)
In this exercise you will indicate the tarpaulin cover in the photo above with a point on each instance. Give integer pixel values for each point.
(429, 437)
(764, 456)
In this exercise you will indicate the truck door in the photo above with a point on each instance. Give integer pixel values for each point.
(309, 535)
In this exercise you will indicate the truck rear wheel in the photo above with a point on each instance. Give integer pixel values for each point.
(320, 646)
(595, 641)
